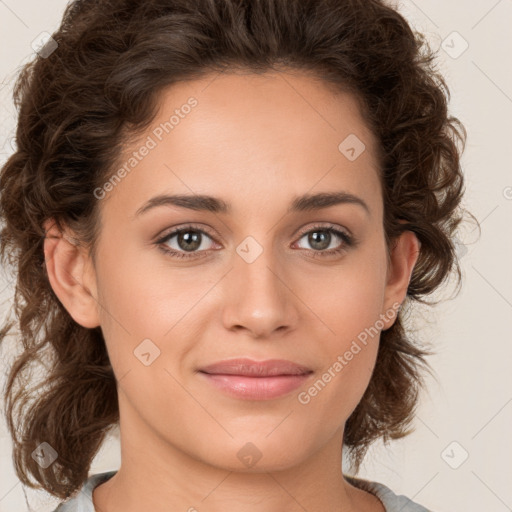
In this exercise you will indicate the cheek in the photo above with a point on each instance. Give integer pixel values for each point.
(136, 292)
(143, 299)
(349, 299)
(349, 306)
(349, 357)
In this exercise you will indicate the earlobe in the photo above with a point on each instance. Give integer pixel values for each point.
(403, 258)
(71, 275)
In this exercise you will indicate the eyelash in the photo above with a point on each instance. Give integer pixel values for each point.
(349, 241)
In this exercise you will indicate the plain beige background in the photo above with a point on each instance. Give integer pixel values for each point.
(460, 455)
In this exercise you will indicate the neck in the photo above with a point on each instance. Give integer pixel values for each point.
(157, 476)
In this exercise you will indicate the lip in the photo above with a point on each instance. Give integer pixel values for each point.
(256, 380)
(251, 368)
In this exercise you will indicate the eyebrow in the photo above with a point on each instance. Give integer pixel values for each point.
(198, 202)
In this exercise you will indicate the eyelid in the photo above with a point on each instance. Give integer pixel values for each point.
(213, 234)
(188, 226)
(326, 225)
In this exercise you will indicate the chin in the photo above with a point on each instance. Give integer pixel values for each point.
(258, 453)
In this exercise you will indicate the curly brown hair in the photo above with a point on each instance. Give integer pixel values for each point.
(80, 103)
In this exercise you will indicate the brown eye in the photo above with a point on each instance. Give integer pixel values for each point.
(189, 240)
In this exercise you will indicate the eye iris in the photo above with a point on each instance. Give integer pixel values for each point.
(189, 240)
(319, 237)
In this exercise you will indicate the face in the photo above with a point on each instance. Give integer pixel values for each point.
(267, 277)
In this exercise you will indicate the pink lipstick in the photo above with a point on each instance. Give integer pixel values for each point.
(256, 380)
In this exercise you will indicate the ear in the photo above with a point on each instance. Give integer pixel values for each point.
(404, 254)
(71, 275)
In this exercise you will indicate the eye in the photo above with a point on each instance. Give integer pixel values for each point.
(322, 238)
(188, 242)
(191, 242)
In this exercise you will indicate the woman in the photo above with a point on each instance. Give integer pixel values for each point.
(219, 211)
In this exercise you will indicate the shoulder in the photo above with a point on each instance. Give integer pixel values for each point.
(391, 501)
(82, 499)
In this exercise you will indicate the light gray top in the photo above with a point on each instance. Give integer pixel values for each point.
(82, 502)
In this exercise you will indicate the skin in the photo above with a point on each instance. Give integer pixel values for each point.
(256, 141)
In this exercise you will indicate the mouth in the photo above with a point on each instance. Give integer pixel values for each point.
(256, 380)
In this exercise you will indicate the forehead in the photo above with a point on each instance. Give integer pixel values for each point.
(266, 136)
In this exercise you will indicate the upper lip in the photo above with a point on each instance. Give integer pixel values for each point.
(249, 367)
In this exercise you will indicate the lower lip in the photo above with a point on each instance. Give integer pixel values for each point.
(256, 388)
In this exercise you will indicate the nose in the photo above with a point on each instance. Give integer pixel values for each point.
(259, 297)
